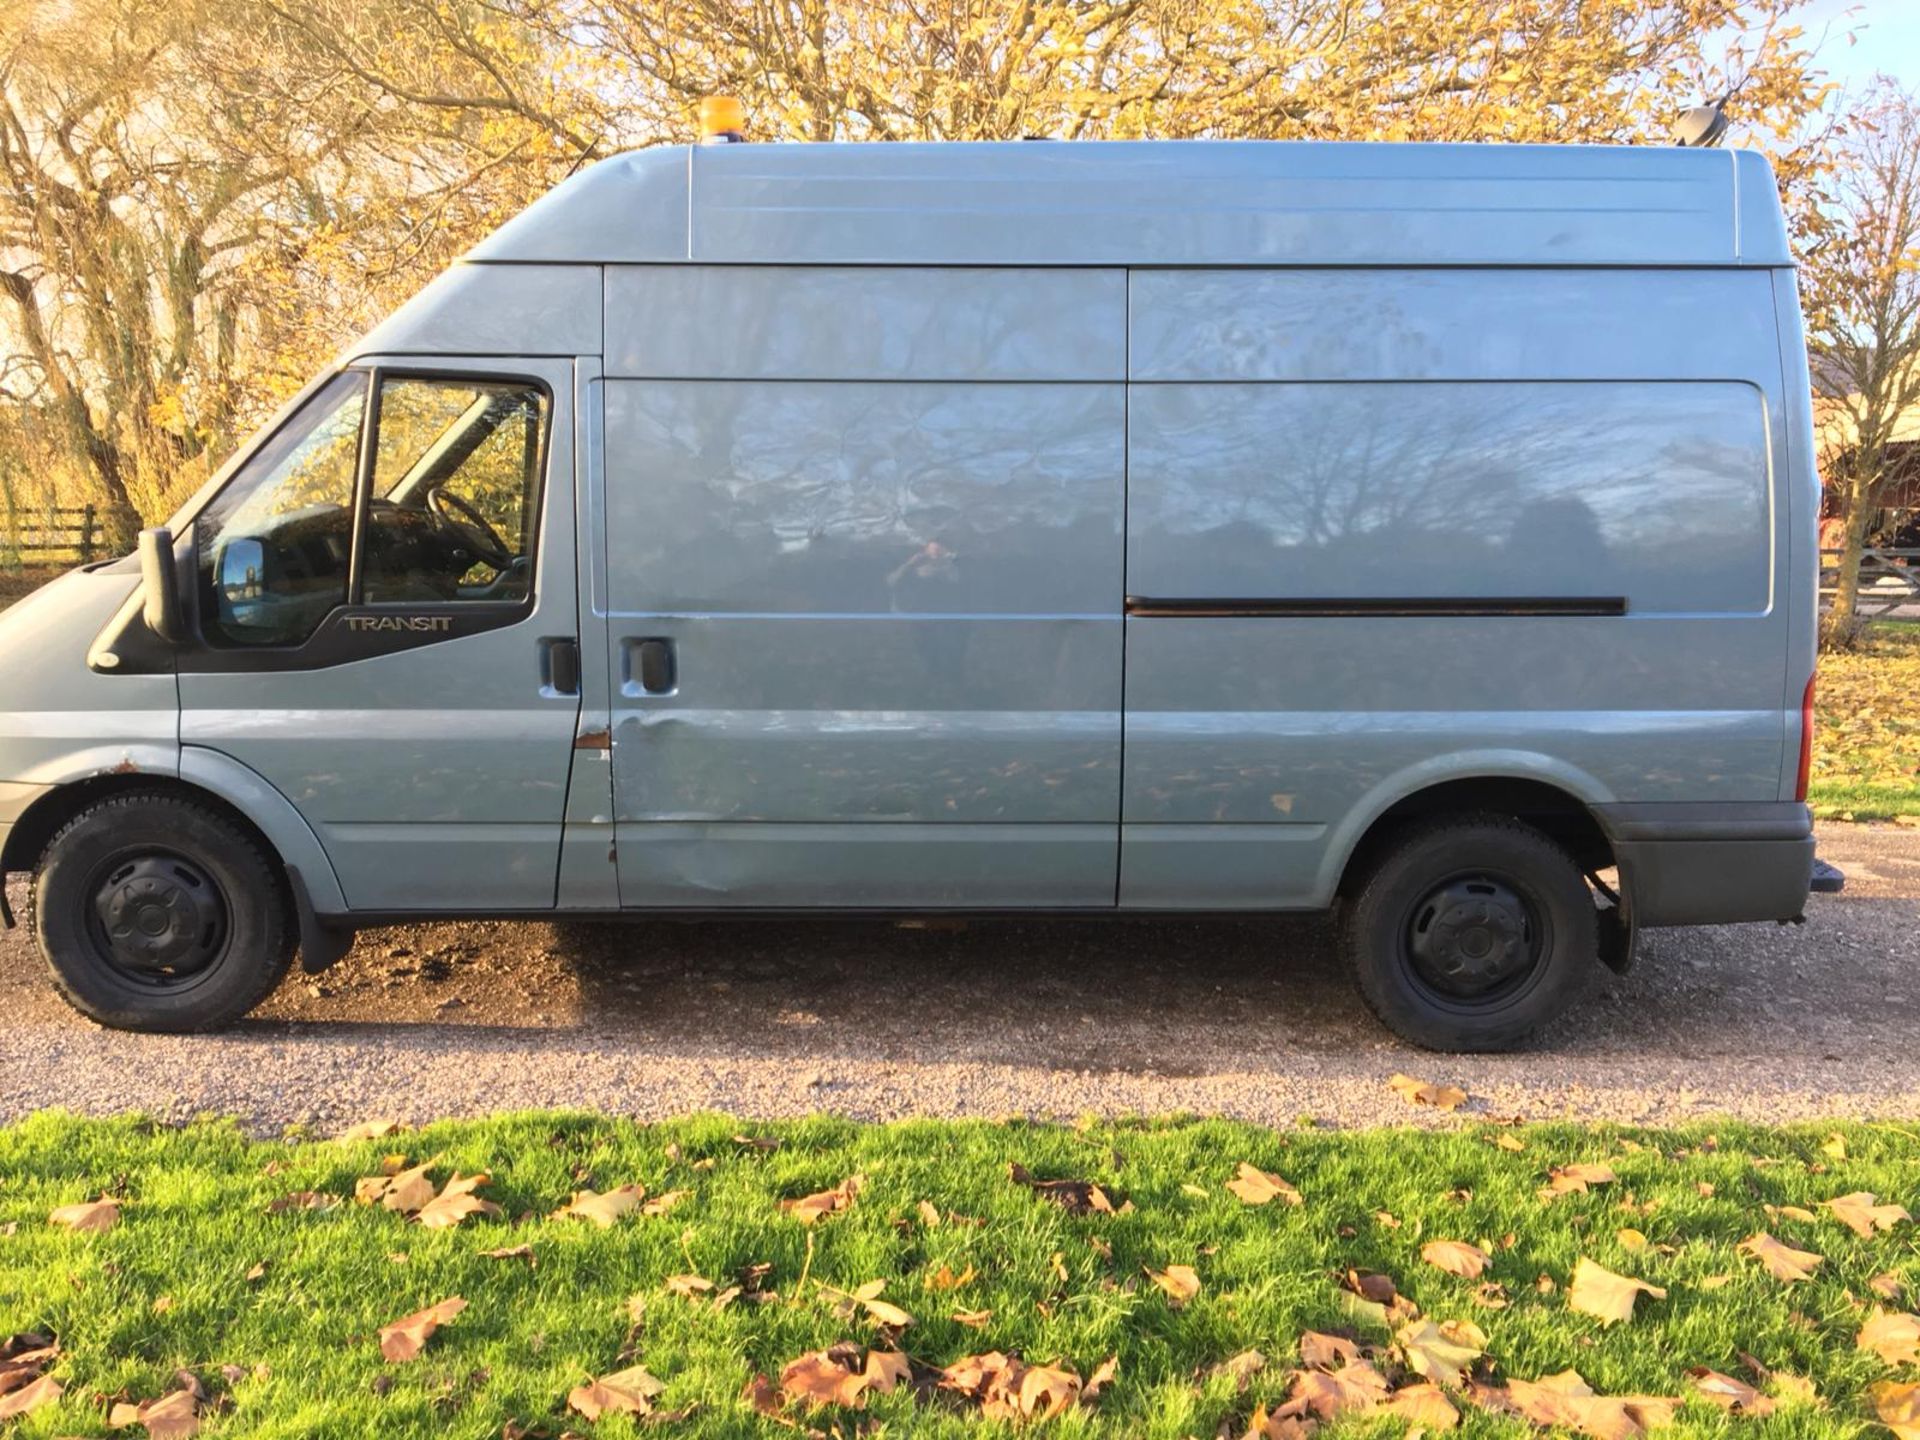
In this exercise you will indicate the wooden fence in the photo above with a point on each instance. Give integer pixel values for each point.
(63, 534)
(1889, 582)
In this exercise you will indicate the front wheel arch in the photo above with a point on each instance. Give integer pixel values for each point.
(48, 816)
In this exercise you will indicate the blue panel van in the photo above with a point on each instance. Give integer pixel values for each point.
(1422, 531)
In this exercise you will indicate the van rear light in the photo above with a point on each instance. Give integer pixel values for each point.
(1806, 742)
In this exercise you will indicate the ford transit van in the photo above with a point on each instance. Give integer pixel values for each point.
(1425, 531)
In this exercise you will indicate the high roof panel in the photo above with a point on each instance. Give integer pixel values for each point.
(1159, 203)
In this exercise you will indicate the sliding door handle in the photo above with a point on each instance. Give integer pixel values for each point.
(560, 665)
(653, 667)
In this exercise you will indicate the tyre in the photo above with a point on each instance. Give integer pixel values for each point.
(158, 913)
(1469, 934)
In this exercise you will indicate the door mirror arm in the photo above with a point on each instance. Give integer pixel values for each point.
(160, 586)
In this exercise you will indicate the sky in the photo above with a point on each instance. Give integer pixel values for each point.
(1887, 39)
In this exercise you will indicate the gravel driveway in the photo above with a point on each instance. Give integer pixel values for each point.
(1244, 1018)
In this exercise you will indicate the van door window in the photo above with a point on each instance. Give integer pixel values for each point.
(454, 501)
(274, 546)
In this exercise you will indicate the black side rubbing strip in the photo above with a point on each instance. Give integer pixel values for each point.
(1380, 606)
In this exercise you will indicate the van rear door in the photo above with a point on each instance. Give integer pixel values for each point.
(389, 627)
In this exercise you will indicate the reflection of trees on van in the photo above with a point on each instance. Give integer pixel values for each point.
(1654, 493)
(811, 498)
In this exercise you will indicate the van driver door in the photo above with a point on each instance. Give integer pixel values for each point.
(387, 627)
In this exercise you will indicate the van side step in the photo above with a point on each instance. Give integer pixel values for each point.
(1827, 879)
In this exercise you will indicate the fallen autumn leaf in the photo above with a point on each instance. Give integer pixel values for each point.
(172, 1417)
(810, 1208)
(1255, 1186)
(1179, 1281)
(625, 1392)
(605, 1209)
(1898, 1407)
(1860, 1213)
(93, 1216)
(1894, 1337)
(1421, 1092)
(406, 1337)
(1782, 1262)
(1599, 1292)
(1076, 1197)
(1728, 1393)
(1456, 1257)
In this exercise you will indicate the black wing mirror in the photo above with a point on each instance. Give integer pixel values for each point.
(160, 586)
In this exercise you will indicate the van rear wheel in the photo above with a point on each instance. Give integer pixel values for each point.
(157, 913)
(1470, 934)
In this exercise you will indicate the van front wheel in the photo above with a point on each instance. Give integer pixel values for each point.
(157, 913)
(1470, 934)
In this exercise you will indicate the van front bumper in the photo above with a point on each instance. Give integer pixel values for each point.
(1712, 864)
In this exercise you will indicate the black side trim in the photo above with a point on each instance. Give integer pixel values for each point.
(358, 632)
(1384, 606)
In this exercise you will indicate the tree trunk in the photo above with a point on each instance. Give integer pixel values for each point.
(1846, 598)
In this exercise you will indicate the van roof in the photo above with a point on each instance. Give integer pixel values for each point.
(1158, 202)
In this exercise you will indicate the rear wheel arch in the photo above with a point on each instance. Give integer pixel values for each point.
(1551, 809)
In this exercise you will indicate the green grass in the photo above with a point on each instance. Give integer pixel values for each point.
(1866, 747)
(194, 1223)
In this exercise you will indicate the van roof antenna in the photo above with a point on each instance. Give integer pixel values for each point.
(1704, 126)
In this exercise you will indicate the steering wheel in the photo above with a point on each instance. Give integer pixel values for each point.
(493, 550)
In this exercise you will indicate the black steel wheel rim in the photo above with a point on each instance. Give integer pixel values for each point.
(157, 918)
(1475, 940)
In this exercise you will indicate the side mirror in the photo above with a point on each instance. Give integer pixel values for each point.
(160, 586)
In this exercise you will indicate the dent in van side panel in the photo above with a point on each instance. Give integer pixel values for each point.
(873, 866)
(746, 322)
(811, 497)
(1452, 325)
(1654, 493)
(883, 719)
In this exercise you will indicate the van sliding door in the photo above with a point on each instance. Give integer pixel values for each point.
(864, 575)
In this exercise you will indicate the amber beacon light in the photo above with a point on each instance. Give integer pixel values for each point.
(722, 120)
